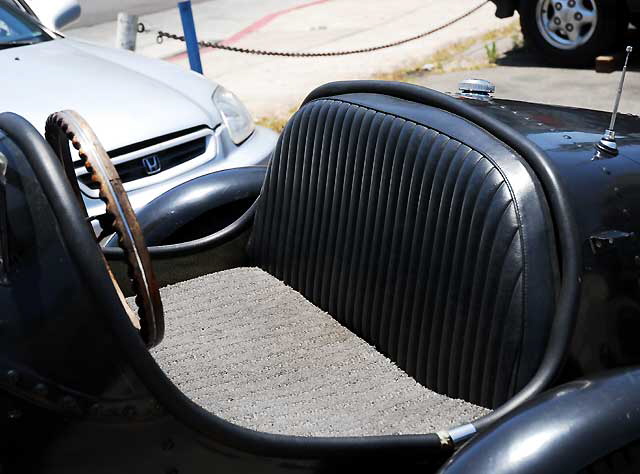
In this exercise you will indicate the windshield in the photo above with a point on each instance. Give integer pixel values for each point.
(17, 28)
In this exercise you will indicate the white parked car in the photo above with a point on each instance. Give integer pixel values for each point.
(161, 125)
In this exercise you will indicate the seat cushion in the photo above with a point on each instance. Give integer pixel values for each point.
(420, 232)
(253, 351)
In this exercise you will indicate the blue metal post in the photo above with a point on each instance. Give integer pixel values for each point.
(189, 29)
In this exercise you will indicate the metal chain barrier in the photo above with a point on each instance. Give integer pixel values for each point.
(219, 45)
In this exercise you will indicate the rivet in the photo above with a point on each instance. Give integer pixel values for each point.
(167, 444)
(40, 389)
(13, 376)
(68, 403)
(604, 353)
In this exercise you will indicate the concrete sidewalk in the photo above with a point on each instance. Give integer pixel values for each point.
(215, 19)
(273, 85)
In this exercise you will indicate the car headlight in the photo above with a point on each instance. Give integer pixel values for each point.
(235, 115)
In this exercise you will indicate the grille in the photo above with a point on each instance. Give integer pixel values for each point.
(166, 159)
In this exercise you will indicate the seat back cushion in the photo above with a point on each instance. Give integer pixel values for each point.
(418, 231)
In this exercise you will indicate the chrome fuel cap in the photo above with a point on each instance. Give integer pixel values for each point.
(476, 87)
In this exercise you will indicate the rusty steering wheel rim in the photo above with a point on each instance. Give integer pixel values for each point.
(68, 126)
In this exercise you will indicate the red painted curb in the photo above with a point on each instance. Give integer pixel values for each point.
(255, 26)
(268, 19)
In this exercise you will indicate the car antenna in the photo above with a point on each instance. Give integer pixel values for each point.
(607, 144)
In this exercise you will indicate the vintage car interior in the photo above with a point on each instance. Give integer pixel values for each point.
(415, 270)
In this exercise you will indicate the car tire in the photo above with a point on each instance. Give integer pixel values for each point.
(561, 33)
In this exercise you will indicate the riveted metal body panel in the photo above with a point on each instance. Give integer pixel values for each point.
(605, 196)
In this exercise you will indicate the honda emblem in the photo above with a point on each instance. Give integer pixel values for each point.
(151, 164)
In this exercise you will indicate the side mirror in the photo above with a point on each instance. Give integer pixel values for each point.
(55, 14)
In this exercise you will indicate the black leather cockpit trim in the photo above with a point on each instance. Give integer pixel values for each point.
(223, 435)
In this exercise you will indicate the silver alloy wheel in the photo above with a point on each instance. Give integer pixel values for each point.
(566, 24)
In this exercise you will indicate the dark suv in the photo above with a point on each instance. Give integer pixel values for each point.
(572, 32)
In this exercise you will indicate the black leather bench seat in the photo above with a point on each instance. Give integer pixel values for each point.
(406, 283)
(255, 352)
(421, 233)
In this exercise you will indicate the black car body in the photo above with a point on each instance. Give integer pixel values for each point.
(506, 8)
(484, 246)
(572, 32)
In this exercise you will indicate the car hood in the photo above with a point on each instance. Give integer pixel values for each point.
(126, 98)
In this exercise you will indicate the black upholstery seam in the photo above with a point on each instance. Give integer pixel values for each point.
(420, 343)
(511, 192)
(415, 247)
(406, 235)
(438, 245)
(500, 274)
(439, 296)
(467, 246)
(513, 379)
(475, 362)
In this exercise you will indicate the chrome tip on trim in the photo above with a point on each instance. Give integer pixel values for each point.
(456, 436)
(462, 433)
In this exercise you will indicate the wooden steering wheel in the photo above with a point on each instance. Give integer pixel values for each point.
(69, 126)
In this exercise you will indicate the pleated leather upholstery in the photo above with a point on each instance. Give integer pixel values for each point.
(415, 241)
